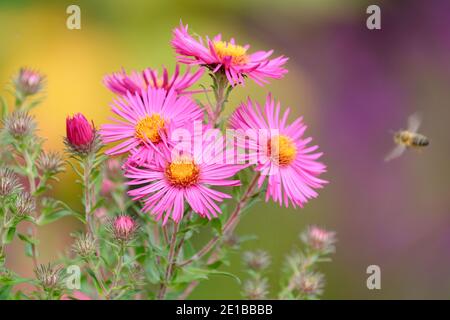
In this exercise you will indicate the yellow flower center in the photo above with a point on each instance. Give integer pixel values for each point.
(237, 53)
(282, 149)
(149, 128)
(182, 172)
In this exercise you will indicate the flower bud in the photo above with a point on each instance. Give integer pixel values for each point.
(9, 182)
(48, 276)
(80, 134)
(113, 167)
(256, 260)
(25, 204)
(309, 283)
(255, 289)
(123, 228)
(28, 82)
(20, 124)
(50, 163)
(319, 239)
(84, 246)
(107, 187)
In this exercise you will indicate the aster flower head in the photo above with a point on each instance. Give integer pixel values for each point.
(121, 82)
(20, 124)
(28, 82)
(164, 186)
(81, 136)
(280, 151)
(228, 57)
(147, 122)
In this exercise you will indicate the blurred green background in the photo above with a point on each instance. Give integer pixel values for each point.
(352, 86)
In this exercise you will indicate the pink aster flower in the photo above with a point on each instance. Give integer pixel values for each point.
(230, 57)
(121, 82)
(146, 122)
(164, 187)
(282, 153)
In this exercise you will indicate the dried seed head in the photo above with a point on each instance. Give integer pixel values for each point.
(25, 204)
(319, 239)
(256, 260)
(84, 246)
(255, 289)
(50, 162)
(9, 182)
(48, 275)
(20, 124)
(123, 228)
(28, 82)
(309, 283)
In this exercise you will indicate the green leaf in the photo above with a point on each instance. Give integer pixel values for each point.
(3, 108)
(53, 216)
(27, 239)
(9, 235)
(192, 274)
(216, 224)
(97, 285)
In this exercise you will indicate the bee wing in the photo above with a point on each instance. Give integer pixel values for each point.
(414, 121)
(395, 153)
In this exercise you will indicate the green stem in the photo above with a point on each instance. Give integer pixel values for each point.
(229, 225)
(32, 184)
(88, 193)
(221, 94)
(171, 262)
(117, 271)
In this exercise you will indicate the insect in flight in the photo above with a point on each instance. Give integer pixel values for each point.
(408, 138)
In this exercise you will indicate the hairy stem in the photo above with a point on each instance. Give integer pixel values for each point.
(32, 185)
(221, 83)
(171, 262)
(88, 193)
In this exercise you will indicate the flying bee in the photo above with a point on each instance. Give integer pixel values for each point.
(408, 138)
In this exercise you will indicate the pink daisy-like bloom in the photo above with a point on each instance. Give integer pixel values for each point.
(280, 152)
(233, 59)
(121, 82)
(147, 120)
(164, 187)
